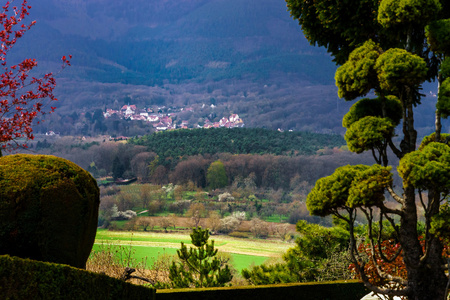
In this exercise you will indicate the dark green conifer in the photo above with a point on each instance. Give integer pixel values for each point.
(199, 267)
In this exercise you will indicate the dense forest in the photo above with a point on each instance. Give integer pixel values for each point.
(170, 145)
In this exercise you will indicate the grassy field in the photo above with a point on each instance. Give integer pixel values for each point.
(150, 245)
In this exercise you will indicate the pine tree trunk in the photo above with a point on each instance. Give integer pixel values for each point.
(428, 283)
(426, 279)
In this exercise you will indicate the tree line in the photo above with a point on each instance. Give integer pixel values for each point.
(171, 145)
(263, 170)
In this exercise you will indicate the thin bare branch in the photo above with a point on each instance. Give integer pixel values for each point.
(388, 210)
(394, 149)
(395, 196)
(127, 276)
(377, 159)
(380, 250)
(392, 221)
(422, 202)
(380, 272)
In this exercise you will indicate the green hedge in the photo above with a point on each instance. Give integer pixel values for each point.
(336, 290)
(48, 209)
(29, 279)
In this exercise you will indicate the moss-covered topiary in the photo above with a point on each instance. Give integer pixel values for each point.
(48, 209)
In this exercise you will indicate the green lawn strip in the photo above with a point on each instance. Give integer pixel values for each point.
(141, 237)
(150, 244)
(149, 255)
(218, 244)
(125, 240)
(242, 261)
(268, 252)
(120, 224)
(229, 247)
(254, 247)
(275, 218)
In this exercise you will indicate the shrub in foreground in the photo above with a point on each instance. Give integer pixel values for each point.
(48, 209)
(29, 279)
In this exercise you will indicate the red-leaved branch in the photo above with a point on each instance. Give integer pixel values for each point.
(390, 261)
(22, 98)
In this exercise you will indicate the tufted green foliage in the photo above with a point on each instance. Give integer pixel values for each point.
(315, 240)
(432, 138)
(357, 76)
(340, 26)
(368, 133)
(48, 209)
(369, 186)
(373, 107)
(306, 261)
(438, 36)
(427, 168)
(392, 13)
(445, 68)
(199, 266)
(397, 67)
(440, 223)
(331, 193)
(272, 274)
(296, 268)
(29, 279)
(443, 103)
(349, 186)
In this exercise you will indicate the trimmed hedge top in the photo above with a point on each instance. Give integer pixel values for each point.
(16, 180)
(29, 279)
(334, 290)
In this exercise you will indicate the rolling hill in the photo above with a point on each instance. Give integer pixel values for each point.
(249, 56)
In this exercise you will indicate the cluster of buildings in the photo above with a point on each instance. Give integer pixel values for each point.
(165, 121)
(231, 122)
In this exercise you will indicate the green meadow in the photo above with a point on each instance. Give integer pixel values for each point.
(148, 246)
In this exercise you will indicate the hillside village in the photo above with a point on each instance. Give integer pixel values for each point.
(164, 118)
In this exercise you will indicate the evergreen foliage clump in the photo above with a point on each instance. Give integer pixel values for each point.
(171, 145)
(199, 267)
(319, 255)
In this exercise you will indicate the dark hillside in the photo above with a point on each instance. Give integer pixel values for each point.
(248, 56)
(146, 42)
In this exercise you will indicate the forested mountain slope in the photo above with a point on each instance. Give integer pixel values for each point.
(147, 42)
(248, 56)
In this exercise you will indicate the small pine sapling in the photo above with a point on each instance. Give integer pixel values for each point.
(199, 267)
